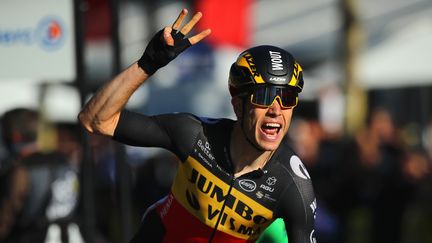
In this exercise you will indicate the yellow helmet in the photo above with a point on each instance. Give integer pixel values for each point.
(264, 65)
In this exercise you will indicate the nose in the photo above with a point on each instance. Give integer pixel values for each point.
(275, 109)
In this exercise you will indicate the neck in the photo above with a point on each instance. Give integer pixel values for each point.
(246, 157)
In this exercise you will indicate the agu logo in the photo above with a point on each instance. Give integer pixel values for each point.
(50, 33)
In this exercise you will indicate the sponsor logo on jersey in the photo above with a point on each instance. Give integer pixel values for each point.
(268, 197)
(312, 237)
(259, 194)
(298, 168)
(205, 148)
(267, 188)
(313, 206)
(204, 194)
(271, 181)
(247, 185)
(166, 206)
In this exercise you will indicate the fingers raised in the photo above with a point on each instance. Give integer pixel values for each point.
(198, 37)
(179, 20)
(187, 28)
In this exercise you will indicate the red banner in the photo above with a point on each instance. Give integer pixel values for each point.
(229, 20)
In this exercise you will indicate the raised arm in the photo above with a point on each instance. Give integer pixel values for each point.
(101, 113)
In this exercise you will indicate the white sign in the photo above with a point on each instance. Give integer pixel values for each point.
(37, 40)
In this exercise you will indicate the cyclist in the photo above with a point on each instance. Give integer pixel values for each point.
(235, 176)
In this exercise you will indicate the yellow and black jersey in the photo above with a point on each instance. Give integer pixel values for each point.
(206, 202)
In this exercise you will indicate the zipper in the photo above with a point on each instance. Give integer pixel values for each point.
(255, 173)
(222, 210)
(232, 180)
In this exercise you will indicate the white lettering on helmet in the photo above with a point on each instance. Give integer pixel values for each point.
(276, 59)
(277, 79)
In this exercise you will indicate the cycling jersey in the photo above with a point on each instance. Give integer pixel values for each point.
(207, 203)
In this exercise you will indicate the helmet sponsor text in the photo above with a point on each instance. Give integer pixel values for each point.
(276, 60)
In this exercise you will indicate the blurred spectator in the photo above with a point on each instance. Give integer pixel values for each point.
(416, 165)
(42, 187)
(427, 138)
(19, 132)
(321, 155)
(417, 168)
(373, 169)
(68, 142)
(369, 187)
(107, 212)
(14, 187)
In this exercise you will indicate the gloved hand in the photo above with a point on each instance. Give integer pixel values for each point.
(158, 53)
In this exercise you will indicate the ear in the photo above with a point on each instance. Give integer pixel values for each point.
(237, 104)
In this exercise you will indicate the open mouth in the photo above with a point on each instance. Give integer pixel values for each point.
(271, 129)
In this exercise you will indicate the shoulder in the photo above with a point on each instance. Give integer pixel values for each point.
(297, 197)
(290, 161)
(192, 121)
(298, 182)
(190, 118)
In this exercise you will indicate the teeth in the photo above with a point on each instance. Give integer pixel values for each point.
(273, 125)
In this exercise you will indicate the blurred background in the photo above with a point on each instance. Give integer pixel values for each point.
(363, 127)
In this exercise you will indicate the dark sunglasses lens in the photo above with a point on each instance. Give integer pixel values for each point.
(288, 98)
(265, 96)
(262, 96)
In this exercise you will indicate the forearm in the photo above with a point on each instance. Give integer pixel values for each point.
(100, 114)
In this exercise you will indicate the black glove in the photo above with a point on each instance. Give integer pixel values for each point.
(158, 54)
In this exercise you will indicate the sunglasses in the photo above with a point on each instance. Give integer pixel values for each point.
(265, 96)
